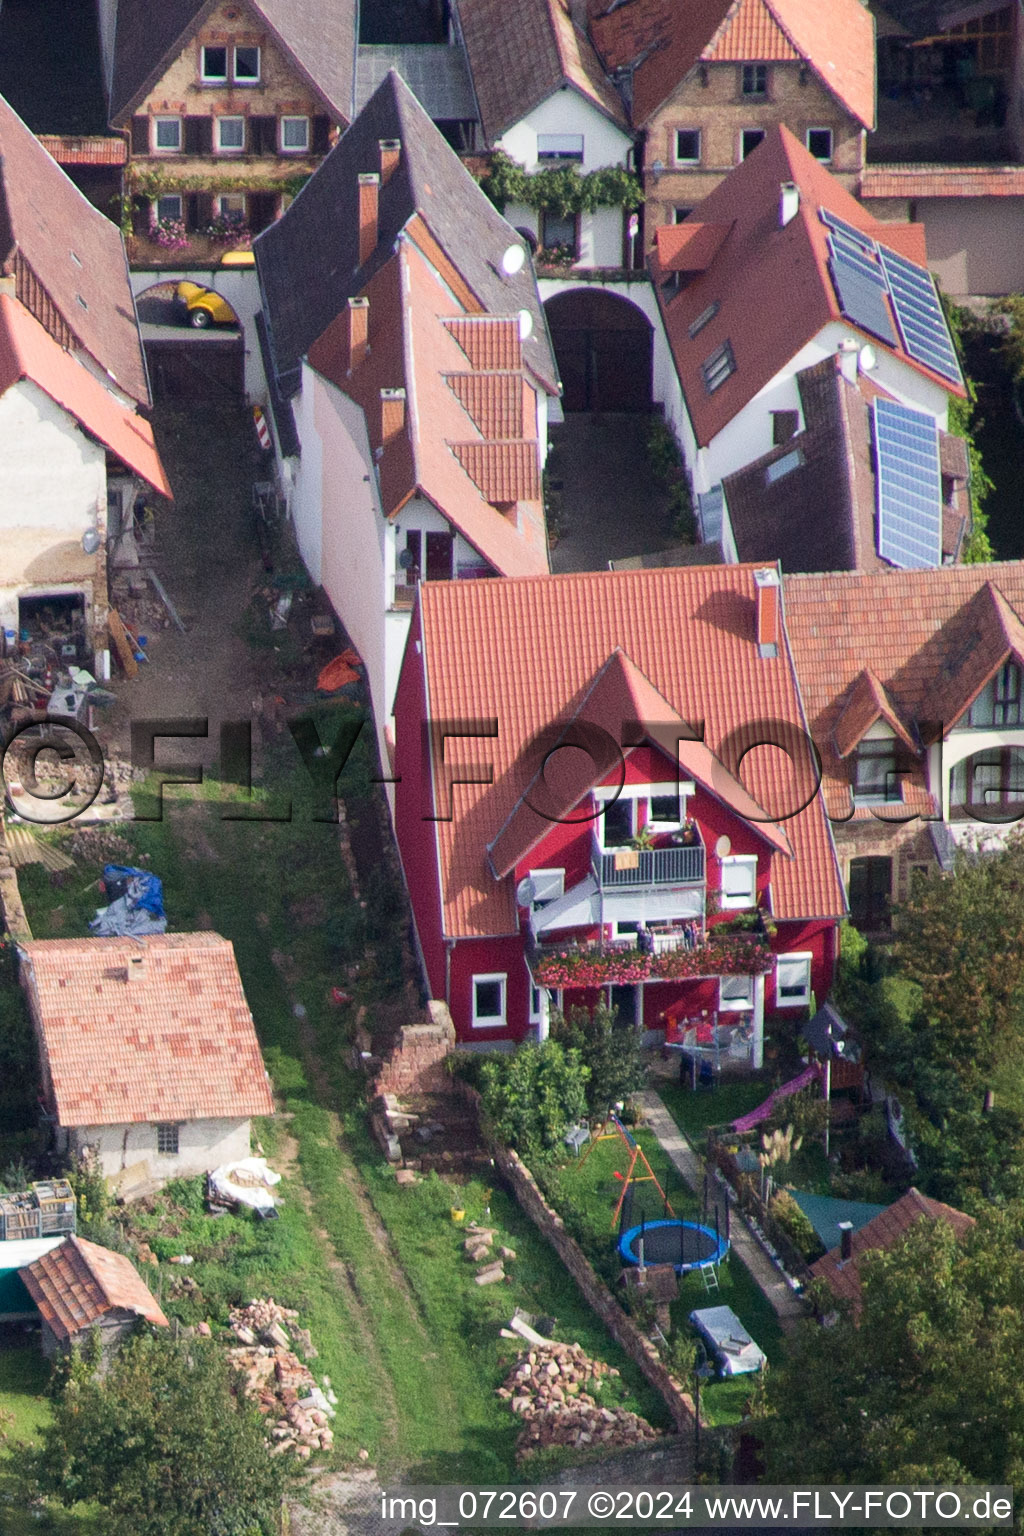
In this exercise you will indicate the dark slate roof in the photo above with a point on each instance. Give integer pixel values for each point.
(320, 36)
(436, 73)
(308, 261)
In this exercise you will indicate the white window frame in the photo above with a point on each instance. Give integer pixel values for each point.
(230, 149)
(677, 158)
(166, 197)
(738, 903)
(170, 1130)
(213, 79)
(802, 957)
(540, 1002)
(736, 1004)
(667, 792)
(491, 1021)
(627, 928)
(167, 149)
(294, 149)
(221, 212)
(550, 885)
(603, 802)
(560, 146)
(821, 159)
(246, 79)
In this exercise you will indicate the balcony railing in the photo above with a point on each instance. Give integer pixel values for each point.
(626, 868)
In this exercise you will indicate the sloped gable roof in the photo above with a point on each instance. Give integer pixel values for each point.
(78, 1283)
(619, 700)
(519, 55)
(173, 1040)
(308, 260)
(770, 282)
(318, 35)
(76, 281)
(884, 1232)
(27, 351)
(527, 652)
(933, 638)
(661, 41)
(866, 704)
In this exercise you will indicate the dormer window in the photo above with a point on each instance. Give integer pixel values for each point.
(876, 778)
(999, 702)
(247, 66)
(214, 64)
(717, 368)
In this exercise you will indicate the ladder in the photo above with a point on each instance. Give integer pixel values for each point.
(709, 1275)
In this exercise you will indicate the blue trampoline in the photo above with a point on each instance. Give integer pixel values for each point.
(686, 1245)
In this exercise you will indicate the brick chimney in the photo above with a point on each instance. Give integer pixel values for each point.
(358, 332)
(768, 612)
(845, 1241)
(136, 968)
(369, 193)
(390, 154)
(392, 414)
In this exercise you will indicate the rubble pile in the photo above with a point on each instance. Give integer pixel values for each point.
(552, 1388)
(477, 1248)
(281, 1385)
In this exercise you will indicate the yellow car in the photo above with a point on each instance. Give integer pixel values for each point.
(203, 307)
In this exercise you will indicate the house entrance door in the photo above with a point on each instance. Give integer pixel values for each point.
(440, 549)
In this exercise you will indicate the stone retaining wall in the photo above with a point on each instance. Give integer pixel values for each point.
(597, 1295)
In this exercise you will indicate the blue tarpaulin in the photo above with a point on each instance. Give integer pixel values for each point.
(142, 889)
(136, 906)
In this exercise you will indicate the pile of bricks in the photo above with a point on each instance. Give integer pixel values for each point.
(281, 1385)
(415, 1064)
(552, 1387)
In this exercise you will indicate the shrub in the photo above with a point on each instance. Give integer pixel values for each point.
(796, 1226)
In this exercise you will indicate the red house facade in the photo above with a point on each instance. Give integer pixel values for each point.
(604, 787)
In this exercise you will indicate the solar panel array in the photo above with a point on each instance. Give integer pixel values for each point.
(909, 483)
(864, 273)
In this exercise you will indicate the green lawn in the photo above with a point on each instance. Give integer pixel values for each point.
(376, 1270)
(23, 1377)
(730, 1098)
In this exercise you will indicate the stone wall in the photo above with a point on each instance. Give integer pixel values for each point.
(415, 1064)
(597, 1295)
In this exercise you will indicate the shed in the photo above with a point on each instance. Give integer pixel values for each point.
(77, 1285)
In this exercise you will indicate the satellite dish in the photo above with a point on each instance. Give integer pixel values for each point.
(406, 559)
(90, 541)
(723, 846)
(525, 324)
(512, 260)
(526, 892)
(868, 358)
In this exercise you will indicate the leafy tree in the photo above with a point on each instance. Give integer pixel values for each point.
(162, 1443)
(613, 1053)
(532, 1096)
(929, 1387)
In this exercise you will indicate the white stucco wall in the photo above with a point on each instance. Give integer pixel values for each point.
(639, 292)
(239, 286)
(749, 434)
(604, 143)
(53, 487)
(202, 1146)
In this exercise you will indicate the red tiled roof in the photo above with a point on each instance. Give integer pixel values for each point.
(27, 351)
(836, 40)
(174, 1041)
(942, 181)
(493, 400)
(882, 1232)
(54, 240)
(867, 703)
(770, 282)
(503, 472)
(527, 653)
(932, 638)
(93, 149)
(78, 1283)
(416, 344)
(619, 700)
(519, 55)
(689, 247)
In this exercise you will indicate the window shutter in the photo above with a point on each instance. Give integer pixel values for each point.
(321, 128)
(198, 137)
(192, 211)
(140, 216)
(140, 135)
(263, 135)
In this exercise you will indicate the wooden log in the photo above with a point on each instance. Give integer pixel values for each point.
(125, 654)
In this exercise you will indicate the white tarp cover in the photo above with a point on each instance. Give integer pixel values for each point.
(247, 1182)
(730, 1343)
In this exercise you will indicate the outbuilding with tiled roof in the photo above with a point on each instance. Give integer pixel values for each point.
(79, 1286)
(148, 1052)
(840, 1267)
